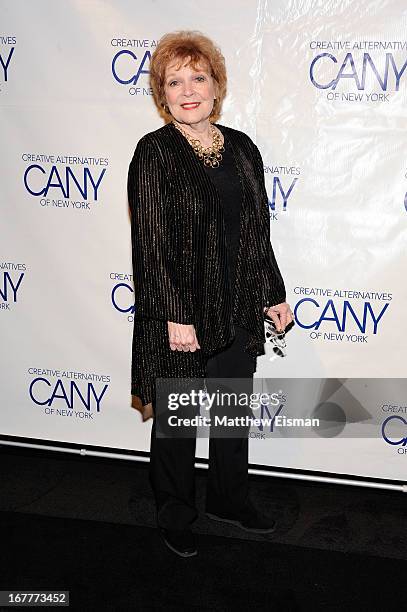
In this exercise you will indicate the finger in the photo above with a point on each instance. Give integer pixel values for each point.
(174, 343)
(283, 320)
(190, 347)
(187, 340)
(275, 318)
(184, 345)
(290, 316)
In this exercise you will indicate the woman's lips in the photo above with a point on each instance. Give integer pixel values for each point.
(190, 105)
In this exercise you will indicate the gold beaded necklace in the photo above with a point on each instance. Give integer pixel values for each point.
(211, 156)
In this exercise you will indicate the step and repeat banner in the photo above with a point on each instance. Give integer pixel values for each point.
(321, 88)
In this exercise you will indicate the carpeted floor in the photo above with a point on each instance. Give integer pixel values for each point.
(86, 525)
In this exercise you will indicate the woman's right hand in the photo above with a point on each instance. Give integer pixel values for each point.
(182, 337)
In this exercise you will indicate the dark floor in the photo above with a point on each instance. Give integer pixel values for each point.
(86, 525)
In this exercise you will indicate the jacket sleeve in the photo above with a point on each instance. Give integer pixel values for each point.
(157, 293)
(273, 283)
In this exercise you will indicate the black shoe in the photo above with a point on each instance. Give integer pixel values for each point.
(180, 541)
(252, 521)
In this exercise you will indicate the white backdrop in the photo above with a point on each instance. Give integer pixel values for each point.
(321, 88)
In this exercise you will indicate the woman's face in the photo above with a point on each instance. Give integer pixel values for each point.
(189, 92)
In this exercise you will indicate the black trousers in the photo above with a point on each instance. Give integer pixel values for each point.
(172, 472)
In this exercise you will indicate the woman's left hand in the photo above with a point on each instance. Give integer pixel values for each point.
(281, 315)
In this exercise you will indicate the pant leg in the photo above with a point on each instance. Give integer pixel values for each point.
(227, 483)
(172, 478)
(172, 458)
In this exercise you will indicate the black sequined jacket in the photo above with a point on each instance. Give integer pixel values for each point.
(178, 241)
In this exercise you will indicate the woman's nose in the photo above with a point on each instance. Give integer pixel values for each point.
(188, 89)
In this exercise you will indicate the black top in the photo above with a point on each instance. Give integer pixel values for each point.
(227, 182)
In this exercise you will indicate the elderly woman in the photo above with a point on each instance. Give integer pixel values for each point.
(204, 272)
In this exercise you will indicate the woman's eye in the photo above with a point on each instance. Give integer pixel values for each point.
(200, 78)
(172, 83)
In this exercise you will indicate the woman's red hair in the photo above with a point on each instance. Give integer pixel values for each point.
(200, 52)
